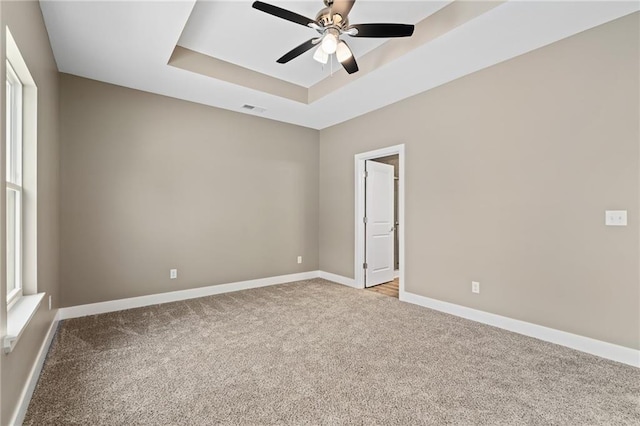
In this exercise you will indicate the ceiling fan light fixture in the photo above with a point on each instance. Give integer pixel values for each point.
(329, 43)
(343, 52)
(320, 55)
(332, 23)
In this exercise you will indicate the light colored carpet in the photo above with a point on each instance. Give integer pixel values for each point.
(314, 352)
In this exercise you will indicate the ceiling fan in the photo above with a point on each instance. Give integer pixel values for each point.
(331, 23)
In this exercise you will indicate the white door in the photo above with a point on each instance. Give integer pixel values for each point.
(379, 223)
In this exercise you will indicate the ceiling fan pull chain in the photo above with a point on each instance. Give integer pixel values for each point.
(331, 59)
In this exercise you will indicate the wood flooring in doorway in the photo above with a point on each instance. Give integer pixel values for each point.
(390, 289)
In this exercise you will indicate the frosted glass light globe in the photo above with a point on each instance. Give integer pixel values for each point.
(343, 53)
(329, 44)
(320, 55)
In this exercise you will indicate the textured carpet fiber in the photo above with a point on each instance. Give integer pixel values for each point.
(314, 352)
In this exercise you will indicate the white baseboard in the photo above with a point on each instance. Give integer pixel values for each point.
(338, 279)
(176, 296)
(585, 344)
(34, 375)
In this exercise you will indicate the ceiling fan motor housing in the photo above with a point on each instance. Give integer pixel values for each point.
(325, 19)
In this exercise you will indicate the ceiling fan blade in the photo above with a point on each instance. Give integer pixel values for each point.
(349, 62)
(294, 53)
(383, 30)
(282, 13)
(343, 7)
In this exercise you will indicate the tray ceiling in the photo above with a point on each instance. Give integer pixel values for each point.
(241, 35)
(131, 44)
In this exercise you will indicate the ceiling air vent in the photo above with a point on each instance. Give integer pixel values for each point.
(253, 108)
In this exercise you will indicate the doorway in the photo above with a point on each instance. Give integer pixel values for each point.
(379, 199)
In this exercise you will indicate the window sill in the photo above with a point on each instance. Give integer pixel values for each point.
(18, 317)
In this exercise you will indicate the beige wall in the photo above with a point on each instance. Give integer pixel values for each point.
(508, 174)
(152, 183)
(25, 22)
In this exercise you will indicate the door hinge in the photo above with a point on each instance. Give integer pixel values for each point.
(366, 174)
(364, 219)
(365, 266)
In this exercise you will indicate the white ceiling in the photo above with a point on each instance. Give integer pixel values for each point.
(235, 32)
(129, 44)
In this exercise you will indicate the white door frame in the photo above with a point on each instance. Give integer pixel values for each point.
(360, 209)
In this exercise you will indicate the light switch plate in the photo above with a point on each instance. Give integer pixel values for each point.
(615, 218)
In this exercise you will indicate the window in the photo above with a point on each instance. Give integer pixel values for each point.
(21, 194)
(14, 184)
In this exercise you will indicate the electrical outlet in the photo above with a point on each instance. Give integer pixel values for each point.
(299, 259)
(49, 302)
(173, 274)
(475, 287)
(615, 218)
